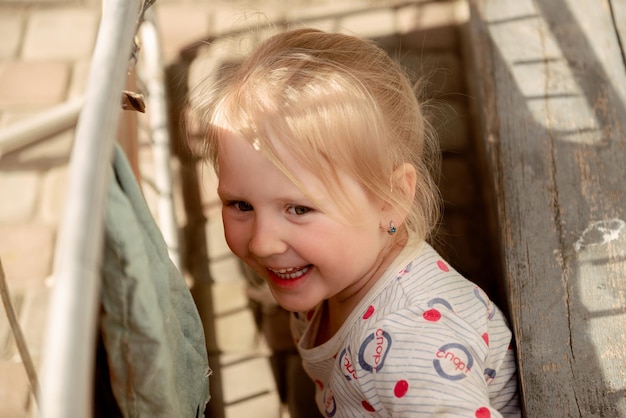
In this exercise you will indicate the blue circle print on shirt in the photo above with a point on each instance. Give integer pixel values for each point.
(374, 350)
(453, 361)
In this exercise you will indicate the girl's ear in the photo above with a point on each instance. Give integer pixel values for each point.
(403, 182)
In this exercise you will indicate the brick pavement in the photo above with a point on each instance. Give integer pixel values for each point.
(44, 59)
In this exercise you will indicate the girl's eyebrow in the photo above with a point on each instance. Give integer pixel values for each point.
(224, 194)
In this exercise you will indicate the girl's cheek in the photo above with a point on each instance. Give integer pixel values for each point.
(236, 237)
(229, 233)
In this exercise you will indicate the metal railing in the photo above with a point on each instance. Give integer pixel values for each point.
(152, 73)
(66, 383)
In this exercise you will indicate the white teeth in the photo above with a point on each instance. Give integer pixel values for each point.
(290, 273)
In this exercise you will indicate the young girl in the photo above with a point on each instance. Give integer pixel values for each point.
(323, 160)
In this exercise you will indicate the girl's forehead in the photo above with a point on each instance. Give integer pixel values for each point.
(237, 154)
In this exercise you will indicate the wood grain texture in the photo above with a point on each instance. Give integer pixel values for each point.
(551, 80)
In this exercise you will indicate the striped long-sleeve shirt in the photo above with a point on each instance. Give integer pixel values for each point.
(425, 341)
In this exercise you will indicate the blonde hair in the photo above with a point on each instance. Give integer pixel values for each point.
(337, 104)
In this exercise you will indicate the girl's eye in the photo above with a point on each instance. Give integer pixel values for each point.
(299, 210)
(242, 206)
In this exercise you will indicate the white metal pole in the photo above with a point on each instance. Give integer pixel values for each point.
(152, 74)
(40, 126)
(69, 345)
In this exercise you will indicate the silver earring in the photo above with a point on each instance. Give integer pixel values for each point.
(392, 228)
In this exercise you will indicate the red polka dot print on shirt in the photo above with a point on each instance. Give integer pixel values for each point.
(369, 312)
(443, 266)
(483, 412)
(486, 338)
(366, 405)
(432, 315)
(401, 388)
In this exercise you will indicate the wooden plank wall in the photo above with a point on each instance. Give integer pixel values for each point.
(550, 81)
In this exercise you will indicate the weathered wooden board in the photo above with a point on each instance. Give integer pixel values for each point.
(551, 81)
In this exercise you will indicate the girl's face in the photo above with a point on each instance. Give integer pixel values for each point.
(306, 252)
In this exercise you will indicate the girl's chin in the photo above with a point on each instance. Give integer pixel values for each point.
(296, 304)
(293, 294)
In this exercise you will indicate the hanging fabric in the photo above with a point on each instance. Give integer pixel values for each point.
(150, 328)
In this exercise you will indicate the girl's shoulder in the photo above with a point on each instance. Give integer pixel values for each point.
(428, 279)
(426, 291)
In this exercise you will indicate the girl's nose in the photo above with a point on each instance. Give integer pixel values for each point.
(266, 239)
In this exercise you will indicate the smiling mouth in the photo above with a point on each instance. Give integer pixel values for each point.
(291, 273)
